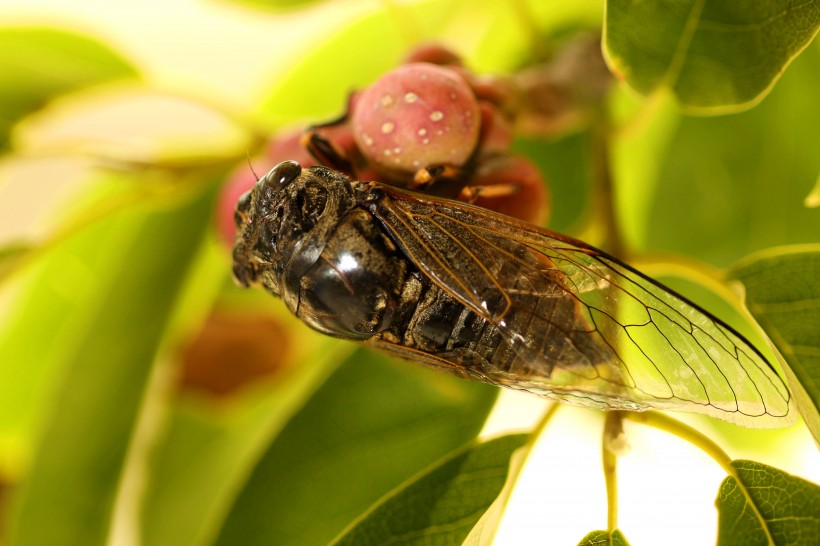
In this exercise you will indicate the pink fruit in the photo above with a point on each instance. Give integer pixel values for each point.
(416, 116)
(496, 130)
(530, 200)
(239, 181)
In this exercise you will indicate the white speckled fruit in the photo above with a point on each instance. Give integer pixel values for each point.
(416, 116)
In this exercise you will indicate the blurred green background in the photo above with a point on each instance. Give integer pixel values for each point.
(146, 399)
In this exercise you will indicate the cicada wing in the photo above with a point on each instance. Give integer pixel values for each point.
(579, 325)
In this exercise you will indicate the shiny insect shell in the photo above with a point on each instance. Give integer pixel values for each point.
(493, 299)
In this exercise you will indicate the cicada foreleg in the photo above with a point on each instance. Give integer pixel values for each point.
(470, 194)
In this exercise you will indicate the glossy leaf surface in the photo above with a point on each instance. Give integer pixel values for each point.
(768, 506)
(372, 425)
(714, 56)
(444, 503)
(753, 170)
(790, 315)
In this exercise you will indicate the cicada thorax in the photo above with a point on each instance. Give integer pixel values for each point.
(305, 240)
(353, 288)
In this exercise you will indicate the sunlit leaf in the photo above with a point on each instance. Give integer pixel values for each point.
(732, 185)
(441, 505)
(317, 87)
(187, 496)
(484, 531)
(638, 151)
(782, 289)
(37, 64)
(604, 538)
(10, 255)
(768, 506)
(372, 425)
(56, 299)
(69, 494)
(134, 124)
(203, 459)
(812, 200)
(715, 56)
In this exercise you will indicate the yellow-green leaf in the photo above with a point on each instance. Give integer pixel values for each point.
(604, 538)
(441, 505)
(69, 494)
(715, 56)
(767, 506)
(782, 289)
(372, 425)
(37, 64)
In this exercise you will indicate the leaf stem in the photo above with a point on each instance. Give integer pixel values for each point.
(612, 437)
(705, 444)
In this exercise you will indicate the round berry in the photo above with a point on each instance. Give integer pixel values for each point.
(416, 116)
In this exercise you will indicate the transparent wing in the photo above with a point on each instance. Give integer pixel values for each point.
(579, 325)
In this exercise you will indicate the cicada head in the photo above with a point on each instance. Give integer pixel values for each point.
(282, 224)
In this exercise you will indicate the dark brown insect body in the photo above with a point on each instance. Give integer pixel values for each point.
(493, 299)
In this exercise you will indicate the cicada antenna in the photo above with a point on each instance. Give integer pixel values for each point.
(248, 159)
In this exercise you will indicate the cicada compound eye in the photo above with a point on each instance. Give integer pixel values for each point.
(282, 174)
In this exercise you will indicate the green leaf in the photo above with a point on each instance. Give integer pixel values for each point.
(57, 298)
(37, 64)
(10, 256)
(604, 538)
(441, 505)
(69, 494)
(484, 531)
(782, 288)
(317, 87)
(187, 497)
(764, 505)
(373, 424)
(638, 151)
(199, 465)
(110, 123)
(715, 56)
(733, 185)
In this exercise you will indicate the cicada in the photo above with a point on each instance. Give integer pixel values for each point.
(493, 299)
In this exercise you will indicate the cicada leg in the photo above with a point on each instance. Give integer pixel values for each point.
(426, 177)
(470, 194)
(331, 143)
(325, 151)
